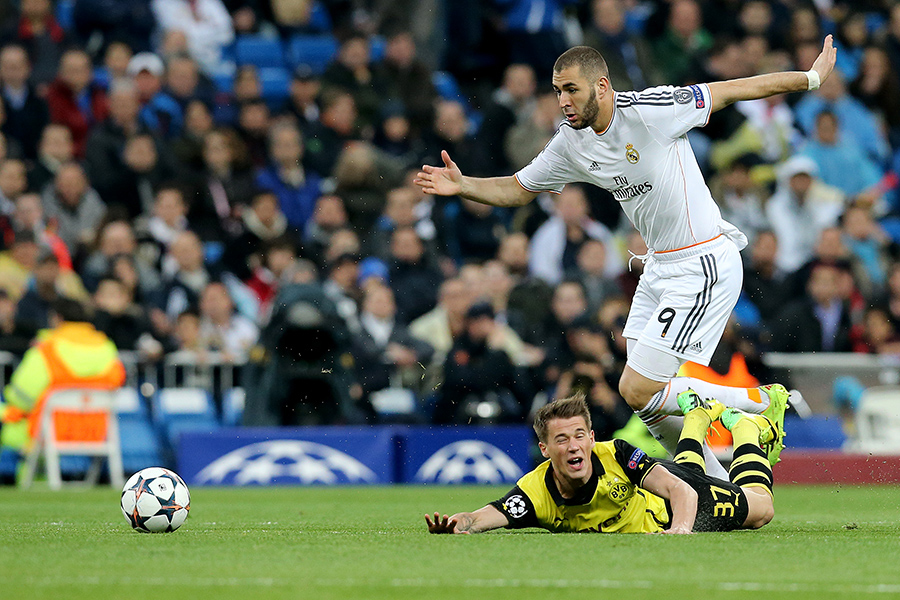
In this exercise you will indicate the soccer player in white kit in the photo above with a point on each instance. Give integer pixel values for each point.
(634, 145)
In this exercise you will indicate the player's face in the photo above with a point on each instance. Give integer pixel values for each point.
(569, 445)
(577, 97)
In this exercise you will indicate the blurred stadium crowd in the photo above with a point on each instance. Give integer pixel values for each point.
(195, 169)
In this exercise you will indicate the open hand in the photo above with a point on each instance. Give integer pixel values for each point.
(824, 64)
(442, 525)
(441, 181)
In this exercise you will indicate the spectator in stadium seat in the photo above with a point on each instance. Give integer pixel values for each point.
(341, 286)
(329, 216)
(206, 24)
(532, 132)
(386, 354)
(13, 183)
(878, 87)
(74, 101)
(801, 207)
(363, 176)
(590, 271)
(261, 221)
(740, 198)
(400, 211)
(473, 231)
(857, 123)
(184, 279)
(104, 156)
(554, 246)
(295, 187)
(224, 188)
(451, 132)
(114, 240)
(122, 320)
(159, 112)
(407, 79)
(49, 283)
(254, 124)
(512, 102)
(530, 296)
(444, 323)
(336, 127)
(681, 51)
(184, 82)
(819, 322)
(870, 247)
(221, 328)
(628, 56)
(75, 206)
(187, 148)
(157, 230)
(305, 88)
(26, 112)
(42, 37)
(29, 216)
(11, 338)
(414, 281)
(18, 262)
(56, 149)
(477, 373)
(764, 283)
(841, 162)
(351, 71)
(146, 168)
(534, 31)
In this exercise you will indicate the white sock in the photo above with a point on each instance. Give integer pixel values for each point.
(666, 428)
(751, 400)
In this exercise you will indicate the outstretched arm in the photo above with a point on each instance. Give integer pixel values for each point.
(483, 519)
(762, 86)
(449, 181)
(680, 495)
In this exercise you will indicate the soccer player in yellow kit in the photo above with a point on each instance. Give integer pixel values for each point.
(613, 487)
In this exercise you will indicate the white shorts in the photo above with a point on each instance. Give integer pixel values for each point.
(684, 299)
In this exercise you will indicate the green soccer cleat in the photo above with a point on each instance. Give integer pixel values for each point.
(778, 402)
(689, 400)
(771, 436)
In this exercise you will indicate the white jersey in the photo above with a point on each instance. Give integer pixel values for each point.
(645, 161)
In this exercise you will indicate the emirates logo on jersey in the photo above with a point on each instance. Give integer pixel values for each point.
(631, 154)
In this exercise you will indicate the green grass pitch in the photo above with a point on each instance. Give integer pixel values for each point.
(355, 542)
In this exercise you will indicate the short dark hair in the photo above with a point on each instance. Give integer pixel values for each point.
(590, 62)
(70, 311)
(564, 408)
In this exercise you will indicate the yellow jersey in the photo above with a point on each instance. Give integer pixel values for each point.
(612, 500)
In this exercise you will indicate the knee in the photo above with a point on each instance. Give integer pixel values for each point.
(632, 391)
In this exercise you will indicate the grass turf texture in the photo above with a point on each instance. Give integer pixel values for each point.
(351, 543)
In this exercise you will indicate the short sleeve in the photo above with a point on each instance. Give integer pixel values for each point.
(518, 508)
(549, 170)
(673, 110)
(635, 462)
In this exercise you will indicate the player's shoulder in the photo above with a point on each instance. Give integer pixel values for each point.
(663, 95)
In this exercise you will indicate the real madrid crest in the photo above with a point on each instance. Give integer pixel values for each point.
(631, 154)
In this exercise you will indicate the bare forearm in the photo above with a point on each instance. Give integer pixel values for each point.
(684, 507)
(495, 191)
(752, 88)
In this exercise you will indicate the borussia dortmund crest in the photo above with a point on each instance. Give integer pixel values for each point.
(631, 154)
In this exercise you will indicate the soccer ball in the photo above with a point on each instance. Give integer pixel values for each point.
(155, 500)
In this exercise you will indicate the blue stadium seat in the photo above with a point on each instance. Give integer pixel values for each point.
(224, 82)
(259, 51)
(317, 51)
(139, 440)
(233, 407)
(176, 410)
(276, 85)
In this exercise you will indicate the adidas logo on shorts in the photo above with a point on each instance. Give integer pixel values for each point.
(695, 347)
(595, 166)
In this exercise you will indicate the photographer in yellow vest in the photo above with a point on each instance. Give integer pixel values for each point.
(70, 354)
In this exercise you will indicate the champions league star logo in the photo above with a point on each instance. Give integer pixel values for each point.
(285, 462)
(469, 461)
(516, 506)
